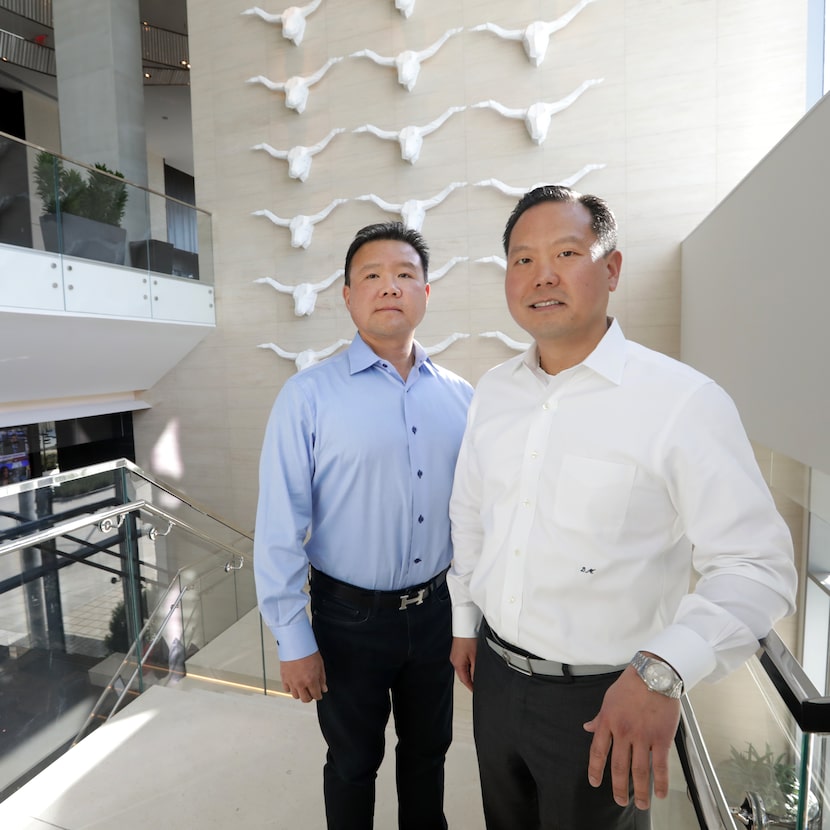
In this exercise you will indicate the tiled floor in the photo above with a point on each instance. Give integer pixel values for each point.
(187, 757)
(91, 619)
(197, 759)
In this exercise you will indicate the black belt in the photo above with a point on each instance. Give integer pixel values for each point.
(366, 599)
(530, 665)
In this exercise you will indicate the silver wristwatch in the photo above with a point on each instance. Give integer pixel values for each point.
(658, 675)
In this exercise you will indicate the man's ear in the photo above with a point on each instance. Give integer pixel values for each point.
(346, 294)
(613, 262)
(426, 291)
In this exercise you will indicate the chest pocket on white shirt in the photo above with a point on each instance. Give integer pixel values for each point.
(593, 495)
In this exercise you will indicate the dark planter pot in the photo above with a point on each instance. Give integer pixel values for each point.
(84, 238)
(153, 255)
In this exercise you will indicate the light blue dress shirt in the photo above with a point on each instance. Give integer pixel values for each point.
(355, 477)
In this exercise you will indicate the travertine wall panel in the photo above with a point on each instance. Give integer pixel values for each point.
(693, 94)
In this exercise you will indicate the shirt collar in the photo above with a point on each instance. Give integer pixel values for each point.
(361, 357)
(607, 359)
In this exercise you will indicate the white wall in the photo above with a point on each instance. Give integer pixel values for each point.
(756, 293)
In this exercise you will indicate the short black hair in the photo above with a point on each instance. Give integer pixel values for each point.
(396, 231)
(603, 221)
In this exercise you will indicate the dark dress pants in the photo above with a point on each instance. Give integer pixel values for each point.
(376, 662)
(533, 752)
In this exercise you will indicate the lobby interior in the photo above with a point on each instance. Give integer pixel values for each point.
(704, 127)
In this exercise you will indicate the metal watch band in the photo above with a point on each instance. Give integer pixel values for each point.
(658, 675)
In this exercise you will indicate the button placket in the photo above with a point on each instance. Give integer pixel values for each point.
(528, 494)
(418, 520)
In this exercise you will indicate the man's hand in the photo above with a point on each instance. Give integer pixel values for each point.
(463, 658)
(638, 726)
(304, 679)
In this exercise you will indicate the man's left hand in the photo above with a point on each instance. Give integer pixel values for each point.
(637, 726)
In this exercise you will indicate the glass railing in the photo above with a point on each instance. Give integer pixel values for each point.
(53, 204)
(203, 600)
(695, 800)
(767, 750)
(751, 751)
(111, 582)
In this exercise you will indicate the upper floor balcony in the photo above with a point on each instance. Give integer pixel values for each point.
(104, 285)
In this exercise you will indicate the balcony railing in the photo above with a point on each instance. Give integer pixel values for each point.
(43, 194)
(76, 216)
(164, 53)
(110, 582)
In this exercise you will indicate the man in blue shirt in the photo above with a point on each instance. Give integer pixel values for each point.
(355, 479)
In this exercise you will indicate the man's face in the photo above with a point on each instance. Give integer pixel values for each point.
(557, 285)
(387, 296)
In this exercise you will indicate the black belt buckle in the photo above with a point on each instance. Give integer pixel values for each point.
(412, 599)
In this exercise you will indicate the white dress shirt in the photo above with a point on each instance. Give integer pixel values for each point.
(583, 502)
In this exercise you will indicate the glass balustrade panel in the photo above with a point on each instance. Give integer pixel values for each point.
(755, 746)
(676, 811)
(89, 211)
(72, 602)
(65, 607)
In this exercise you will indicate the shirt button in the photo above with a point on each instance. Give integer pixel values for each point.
(534, 454)
(517, 552)
(512, 599)
(526, 503)
(545, 405)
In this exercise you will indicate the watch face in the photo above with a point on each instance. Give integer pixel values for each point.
(658, 677)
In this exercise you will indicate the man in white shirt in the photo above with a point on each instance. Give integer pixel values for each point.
(594, 476)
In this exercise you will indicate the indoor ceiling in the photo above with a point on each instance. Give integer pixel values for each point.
(167, 108)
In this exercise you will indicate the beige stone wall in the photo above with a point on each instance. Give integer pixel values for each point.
(694, 93)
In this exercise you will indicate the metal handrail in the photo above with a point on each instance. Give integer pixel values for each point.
(69, 526)
(809, 708)
(159, 46)
(21, 52)
(38, 10)
(102, 517)
(56, 479)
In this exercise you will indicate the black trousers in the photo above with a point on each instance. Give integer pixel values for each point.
(380, 661)
(533, 751)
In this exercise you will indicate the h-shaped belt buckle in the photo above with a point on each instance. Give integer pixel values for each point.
(417, 599)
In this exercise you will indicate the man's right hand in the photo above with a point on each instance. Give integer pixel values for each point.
(304, 679)
(463, 658)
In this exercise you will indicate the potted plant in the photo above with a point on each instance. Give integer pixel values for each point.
(82, 214)
(769, 786)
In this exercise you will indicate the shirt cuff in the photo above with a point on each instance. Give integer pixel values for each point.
(466, 620)
(295, 641)
(687, 652)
